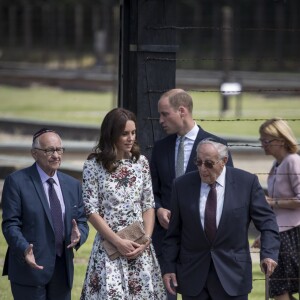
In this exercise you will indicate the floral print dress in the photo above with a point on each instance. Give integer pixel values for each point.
(120, 198)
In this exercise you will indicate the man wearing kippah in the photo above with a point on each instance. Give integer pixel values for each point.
(43, 220)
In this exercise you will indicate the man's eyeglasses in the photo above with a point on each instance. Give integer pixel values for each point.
(209, 164)
(51, 151)
(267, 142)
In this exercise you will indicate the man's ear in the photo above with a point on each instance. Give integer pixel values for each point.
(225, 160)
(33, 153)
(182, 111)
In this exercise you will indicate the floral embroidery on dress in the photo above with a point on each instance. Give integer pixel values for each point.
(120, 198)
(123, 178)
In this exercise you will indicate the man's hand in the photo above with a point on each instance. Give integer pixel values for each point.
(163, 216)
(170, 282)
(268, 266)
(30, 259)
(75, 235)
(256, 243)
(270, 201)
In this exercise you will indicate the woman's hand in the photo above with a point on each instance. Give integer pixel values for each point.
(138, 250)
(126, 246)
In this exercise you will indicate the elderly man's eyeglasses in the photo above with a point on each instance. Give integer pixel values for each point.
(267, 142)
(209, 164)
(51, 151)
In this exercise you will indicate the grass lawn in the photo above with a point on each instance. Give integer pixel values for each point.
(82, 107)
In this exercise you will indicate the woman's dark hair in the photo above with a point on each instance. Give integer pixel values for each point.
(111, 129)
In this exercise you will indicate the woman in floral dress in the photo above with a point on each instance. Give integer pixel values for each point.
(117, 191)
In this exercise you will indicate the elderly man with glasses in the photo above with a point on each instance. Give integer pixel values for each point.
(206, 248)
(43, 220)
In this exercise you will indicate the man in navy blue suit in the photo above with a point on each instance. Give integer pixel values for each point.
(206, 249)
(39, 259)
(175, 108)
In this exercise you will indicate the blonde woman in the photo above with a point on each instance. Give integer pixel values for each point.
(278, 140)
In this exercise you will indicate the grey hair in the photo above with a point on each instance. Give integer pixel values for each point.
(36, 142)
(221, 148)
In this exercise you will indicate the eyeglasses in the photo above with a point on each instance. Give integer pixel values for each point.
(209, 164)
(51, 151)
(267, 142)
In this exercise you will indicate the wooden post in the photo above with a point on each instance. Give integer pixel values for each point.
(27, 33)
(12, 26)
(227, 53)
(147, 63)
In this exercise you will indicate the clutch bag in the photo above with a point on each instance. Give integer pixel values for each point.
(133, 232)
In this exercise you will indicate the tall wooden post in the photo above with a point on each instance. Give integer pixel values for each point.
(147, 63)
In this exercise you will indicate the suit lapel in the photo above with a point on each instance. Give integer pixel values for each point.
(36, 180)
(230, 187)
(194, 194)
(171, 155)
(65, 189)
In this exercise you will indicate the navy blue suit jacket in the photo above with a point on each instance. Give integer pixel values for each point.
(162, 167)
(188, 253)
(27, 220)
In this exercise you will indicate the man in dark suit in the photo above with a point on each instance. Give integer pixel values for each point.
(39, 259)
(206, 248)
(175, 108)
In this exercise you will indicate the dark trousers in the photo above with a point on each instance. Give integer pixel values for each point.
(213, 289)
(56, 289)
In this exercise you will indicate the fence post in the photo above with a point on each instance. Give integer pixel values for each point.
(27, 26)
(147, 63)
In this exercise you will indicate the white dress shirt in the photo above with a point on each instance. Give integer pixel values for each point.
(189, 141)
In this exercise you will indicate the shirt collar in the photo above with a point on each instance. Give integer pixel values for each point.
(221, 179)
(192, 134)
(44, 176)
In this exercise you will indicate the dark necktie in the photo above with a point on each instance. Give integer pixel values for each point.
(210, 223)
(180, 158)
(56, 214)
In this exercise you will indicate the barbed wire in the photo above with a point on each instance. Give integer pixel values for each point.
(231, 120)
(234, 92)
(245, 120)
(265, 59)
(220, 28)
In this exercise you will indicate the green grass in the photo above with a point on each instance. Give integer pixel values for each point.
(255, 108)
(51, 104)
